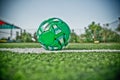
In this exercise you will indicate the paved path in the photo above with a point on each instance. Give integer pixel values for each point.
(41, 50)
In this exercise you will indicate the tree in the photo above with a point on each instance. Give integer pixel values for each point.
(118, 28)
(35, 36)
(26, 37)
(93, 31)
(88, 35)
(103, 34)
(74, 37)
(17, 35)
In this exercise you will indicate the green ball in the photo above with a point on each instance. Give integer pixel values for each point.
(53, 34)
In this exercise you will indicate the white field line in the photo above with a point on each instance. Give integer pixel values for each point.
(41, 50)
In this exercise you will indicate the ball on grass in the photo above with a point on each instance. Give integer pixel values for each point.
(53, 34)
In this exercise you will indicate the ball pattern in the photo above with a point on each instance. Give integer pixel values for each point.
(53, 34)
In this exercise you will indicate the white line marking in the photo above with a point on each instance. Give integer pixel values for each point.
(41, 50)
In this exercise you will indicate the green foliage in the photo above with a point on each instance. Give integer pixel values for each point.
(109, 36)
(35, 37)
(95, 32)
(60, 66)
(74, 37)
(118, 28)
(24, 37)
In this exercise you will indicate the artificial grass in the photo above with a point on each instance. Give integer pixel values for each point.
(59, 66)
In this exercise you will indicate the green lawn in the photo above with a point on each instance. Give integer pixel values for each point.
(59, 66)
(70, 45)
(20, 45)
(94, 46)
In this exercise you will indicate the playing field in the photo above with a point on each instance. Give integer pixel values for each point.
(60, 66)
(75, 46)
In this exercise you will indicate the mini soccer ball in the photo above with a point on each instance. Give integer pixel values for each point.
(53, 34)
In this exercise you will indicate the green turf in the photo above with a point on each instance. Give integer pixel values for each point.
(20, 45)
(59, 66)
(88, 46)
(74, 46)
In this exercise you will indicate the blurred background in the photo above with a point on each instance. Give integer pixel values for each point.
(95, 21)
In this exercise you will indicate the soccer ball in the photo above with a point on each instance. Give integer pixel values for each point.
(53, 34)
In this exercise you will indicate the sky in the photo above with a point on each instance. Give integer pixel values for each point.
(29, 14)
